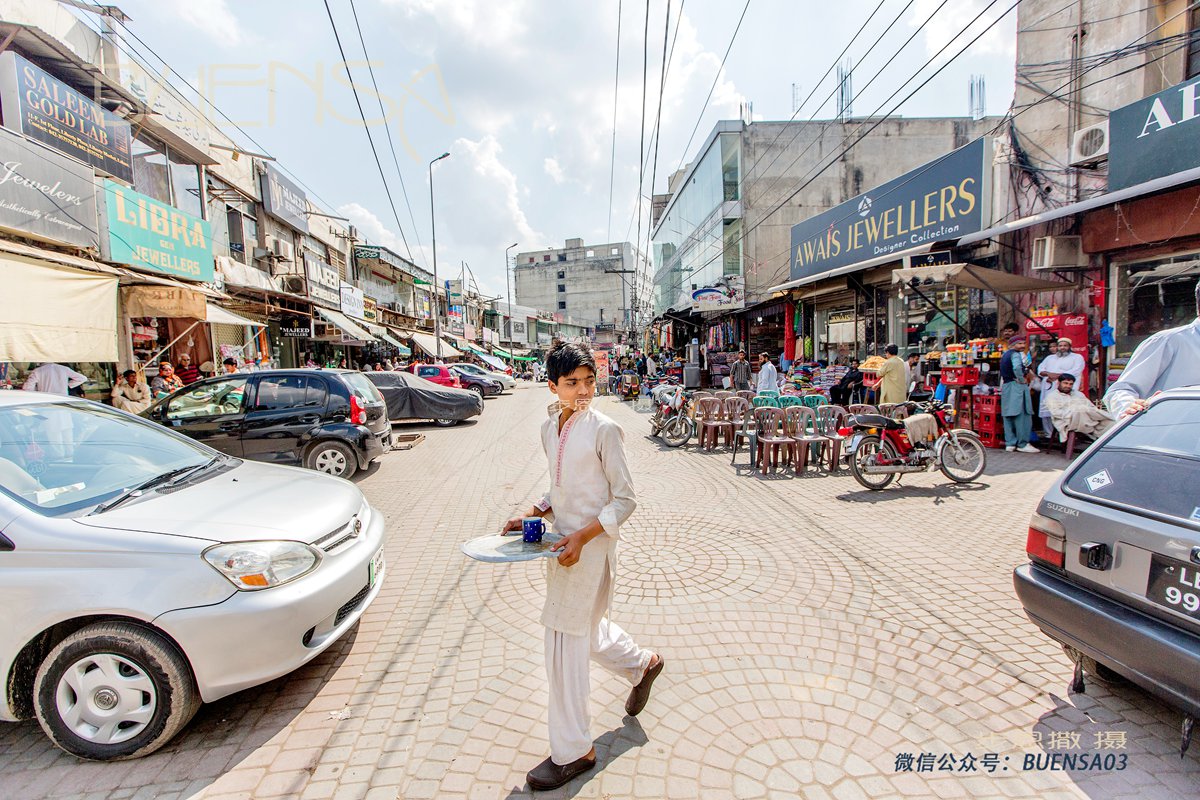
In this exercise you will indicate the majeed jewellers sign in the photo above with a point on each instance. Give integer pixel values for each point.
(944, 199)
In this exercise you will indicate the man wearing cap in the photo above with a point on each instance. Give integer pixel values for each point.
(188, 372)
(1016, 406)
(166, 381)
(1061, 362)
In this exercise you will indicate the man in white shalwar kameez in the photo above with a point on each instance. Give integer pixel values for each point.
(591, 496)
(1061, 362)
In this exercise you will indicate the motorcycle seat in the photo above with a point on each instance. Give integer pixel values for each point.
(876, 421)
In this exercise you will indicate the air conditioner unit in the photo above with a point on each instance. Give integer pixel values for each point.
(283, 250)
(293, 284)
(1090, 145)
(1059, 252)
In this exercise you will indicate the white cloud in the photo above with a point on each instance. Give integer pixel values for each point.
(554, 170)
(213, 18)
(950, 21)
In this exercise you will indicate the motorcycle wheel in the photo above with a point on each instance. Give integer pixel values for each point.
(966, 462)
(677, 431)
(868, 449)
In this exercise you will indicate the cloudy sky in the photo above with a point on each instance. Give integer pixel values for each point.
(521, 93)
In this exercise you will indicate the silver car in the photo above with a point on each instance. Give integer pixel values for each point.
(506, 381)
(143, 573)
(1114, 546)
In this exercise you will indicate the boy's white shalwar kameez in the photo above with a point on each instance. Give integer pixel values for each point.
(589, 479)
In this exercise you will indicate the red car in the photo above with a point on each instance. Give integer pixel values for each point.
(438, 373)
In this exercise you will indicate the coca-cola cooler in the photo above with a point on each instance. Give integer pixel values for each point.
(1060, 326)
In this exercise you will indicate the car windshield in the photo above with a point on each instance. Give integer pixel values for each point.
(63, 457)
(363, 387)
(1151, 464)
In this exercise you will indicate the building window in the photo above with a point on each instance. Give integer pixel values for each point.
(615, 251)
(1193, 63)
(591, 253)
(562, 305)
(165, 178)
(562, 287)
(546, 257)
(531, 259)
(562, 256)
(561, 274)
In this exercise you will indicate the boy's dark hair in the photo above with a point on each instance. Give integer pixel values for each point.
(566, 357)
(230, 361)
(892, 350)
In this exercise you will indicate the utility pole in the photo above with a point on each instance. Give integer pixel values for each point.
(624, 306)
(437, 306)
(508, 289)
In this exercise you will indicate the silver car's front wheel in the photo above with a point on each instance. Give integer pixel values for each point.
(113, 691)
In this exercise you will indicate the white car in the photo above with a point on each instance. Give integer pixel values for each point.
(507, 381)
(143, 573)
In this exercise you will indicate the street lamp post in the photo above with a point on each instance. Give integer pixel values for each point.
(437, 305)
(508, 289)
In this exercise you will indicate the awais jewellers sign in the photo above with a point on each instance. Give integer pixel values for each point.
(147, 234)
(944, 199)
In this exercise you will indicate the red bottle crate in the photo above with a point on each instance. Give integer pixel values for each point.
(991, 439)
(987, 402)
(987, 422)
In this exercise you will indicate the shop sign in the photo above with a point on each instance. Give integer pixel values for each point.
(520, 329)
(169, 109)
(1156, 136)
(284, 200)
(295, 328)
(944, 199)
(147, 234)
(470, 332)
(543, 338)
(370, 309)
(352, 301)
(46, 195)
(48, 111)
(324, 282)
(727, 294)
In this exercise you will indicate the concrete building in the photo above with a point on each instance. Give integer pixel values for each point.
(728, 216)
(595, 284)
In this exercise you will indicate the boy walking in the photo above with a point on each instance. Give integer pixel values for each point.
(590, 497)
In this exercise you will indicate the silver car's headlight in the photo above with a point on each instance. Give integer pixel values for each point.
(251, 566)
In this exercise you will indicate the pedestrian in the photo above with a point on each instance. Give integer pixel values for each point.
(768, 376)
(651, 366)
(1016, 405)
(913, 377)
(343, 364)
(130, 394)
(1053, 367)
(229, 366)
(388, 365)
(851, 382)
(166, 381)
(53, 379)
(591, 496)
(188, 372)
(1166, 360)
(740, 373)
(893, 386)
(641, 367)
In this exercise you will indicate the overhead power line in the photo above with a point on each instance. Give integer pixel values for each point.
(370, 139)
(388, 130)
(612, 169)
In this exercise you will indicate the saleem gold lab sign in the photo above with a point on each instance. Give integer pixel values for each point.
(145, 233)
(942, 200)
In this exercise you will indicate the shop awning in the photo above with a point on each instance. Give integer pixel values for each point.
(238, 274)
(49, 312)
(156, 300)
(973, 276)
(386, 337)
(429, 344)
(492, 361)
(221, 316)
(347, 326)
(899, 255)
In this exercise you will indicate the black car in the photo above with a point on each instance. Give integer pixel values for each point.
(484, 387)
(409, 397)
(333, 421)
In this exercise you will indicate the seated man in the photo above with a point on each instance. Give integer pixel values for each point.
(1070, 410)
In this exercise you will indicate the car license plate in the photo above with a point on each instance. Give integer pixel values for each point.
(375, 570)
(1175, 585)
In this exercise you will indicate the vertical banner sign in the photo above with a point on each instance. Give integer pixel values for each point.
(145, 233)
(284, 200)
(48, 111)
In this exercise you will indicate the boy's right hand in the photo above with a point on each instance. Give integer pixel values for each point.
(514, 524)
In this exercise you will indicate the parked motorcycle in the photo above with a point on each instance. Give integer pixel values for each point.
(880, 449)
(671, 421)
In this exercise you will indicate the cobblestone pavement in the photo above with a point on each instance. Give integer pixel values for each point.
(813, 633)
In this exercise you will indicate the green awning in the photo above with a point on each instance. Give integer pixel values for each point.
(502, 353)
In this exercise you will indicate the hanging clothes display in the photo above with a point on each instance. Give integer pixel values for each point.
(789, 332)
